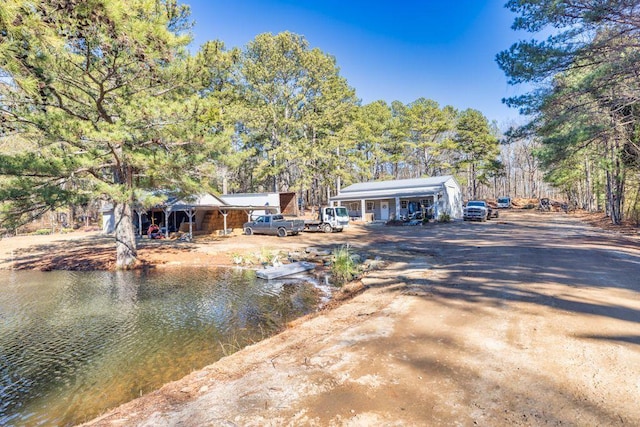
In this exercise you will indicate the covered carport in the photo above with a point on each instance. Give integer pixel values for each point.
(205, 213)
(199, 214)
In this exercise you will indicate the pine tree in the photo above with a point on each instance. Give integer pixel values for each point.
(107, 99)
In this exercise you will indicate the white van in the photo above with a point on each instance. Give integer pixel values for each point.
(504, 202)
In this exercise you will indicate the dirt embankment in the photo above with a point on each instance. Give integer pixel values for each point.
(530, 320)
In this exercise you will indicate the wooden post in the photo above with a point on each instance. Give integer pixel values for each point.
(191, 214)
(166, 212)
(139, 222)
(224, 219)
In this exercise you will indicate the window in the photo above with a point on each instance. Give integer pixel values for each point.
(403, 204)
(341, 212)
(425, 202)
(370, 206)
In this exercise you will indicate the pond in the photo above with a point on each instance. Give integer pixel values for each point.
(73, 344)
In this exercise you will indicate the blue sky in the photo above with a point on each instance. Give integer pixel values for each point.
(405, 50)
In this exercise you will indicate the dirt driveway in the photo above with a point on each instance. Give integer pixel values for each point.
(532, 320)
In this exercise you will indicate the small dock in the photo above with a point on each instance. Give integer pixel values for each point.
(285, 270)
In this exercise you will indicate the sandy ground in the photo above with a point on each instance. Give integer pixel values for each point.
(530, 320)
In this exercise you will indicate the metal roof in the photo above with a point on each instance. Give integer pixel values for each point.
(209, 201)
(385, 194)
(394, 188)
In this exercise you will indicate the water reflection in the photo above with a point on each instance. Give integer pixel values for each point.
(73, 344)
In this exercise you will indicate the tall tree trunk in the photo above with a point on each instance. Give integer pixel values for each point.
(615, 183)
(469, 183)
(615, 202)
(508, 185)
(125, 235)
(126, 251)
(607, 208)
(618, 184)
(474, 182)
(588, 202)
(632, 210)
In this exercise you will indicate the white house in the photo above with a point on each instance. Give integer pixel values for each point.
(385, 200)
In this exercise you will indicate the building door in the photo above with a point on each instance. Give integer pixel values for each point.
(384, 211)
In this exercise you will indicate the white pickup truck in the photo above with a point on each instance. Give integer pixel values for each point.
(478, 210)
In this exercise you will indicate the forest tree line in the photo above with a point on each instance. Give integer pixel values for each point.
(294, 124)
(585, 105)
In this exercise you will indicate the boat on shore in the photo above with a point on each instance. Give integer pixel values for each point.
(285, 270)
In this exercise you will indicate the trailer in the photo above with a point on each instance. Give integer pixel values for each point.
(329, 219)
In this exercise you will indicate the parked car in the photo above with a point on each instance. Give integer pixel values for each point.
(504, 202)
(478, 210)
(273, 224)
